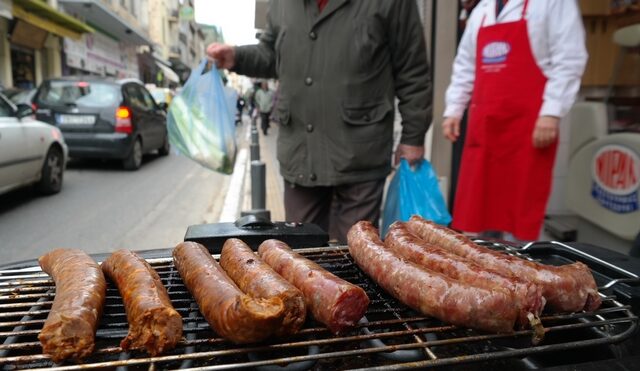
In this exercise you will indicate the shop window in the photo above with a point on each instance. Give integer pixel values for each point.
(23, 68)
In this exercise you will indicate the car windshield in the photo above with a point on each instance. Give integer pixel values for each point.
(82, 94)
(158, 95)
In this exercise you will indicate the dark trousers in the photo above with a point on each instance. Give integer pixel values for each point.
(335, 209)
(264, 118)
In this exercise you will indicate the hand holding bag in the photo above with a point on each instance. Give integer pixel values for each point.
(414, 192)
(200, 124)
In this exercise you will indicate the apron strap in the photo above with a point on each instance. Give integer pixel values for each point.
(524, 8)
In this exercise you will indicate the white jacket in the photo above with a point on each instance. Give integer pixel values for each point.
(556, 34)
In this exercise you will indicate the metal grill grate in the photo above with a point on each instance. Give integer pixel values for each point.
(390, 336)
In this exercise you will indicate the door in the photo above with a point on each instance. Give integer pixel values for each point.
(141, 114)
(14, 154)
(158, 118)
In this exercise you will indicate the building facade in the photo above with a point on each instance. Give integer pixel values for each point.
(31, 36)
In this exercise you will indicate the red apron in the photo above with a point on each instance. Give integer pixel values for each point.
(504, 182)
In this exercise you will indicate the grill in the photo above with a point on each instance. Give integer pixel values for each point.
(391, 336)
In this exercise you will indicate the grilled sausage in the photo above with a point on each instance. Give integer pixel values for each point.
(429, 292)
(232, 314)
(154, 324)
(527, 297)
(70, 329)
(333, 301)
(257, 279)
(567, 288)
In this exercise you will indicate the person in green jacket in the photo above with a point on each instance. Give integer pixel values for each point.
(341, 65)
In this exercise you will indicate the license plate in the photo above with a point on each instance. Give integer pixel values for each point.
(76, 119)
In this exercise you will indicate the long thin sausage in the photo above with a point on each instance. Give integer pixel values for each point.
(232, 314)
(257, 279)
(70, 329)
(333, 301)
(567, 288)
(154, 324)
(527, 297)
(428, 292)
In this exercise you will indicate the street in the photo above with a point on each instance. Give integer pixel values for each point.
(102, 208)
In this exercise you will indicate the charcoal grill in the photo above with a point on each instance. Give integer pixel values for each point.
(391, 336)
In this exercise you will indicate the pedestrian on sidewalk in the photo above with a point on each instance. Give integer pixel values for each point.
(264, 102)
(340, 65)
(520, 63)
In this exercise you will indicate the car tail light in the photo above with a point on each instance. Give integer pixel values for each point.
(34, 107)
(123, 120)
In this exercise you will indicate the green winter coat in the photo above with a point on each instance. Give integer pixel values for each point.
(339, 73)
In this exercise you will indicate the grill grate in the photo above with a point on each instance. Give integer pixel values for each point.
(390, 337)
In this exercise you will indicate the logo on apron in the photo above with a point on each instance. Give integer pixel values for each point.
(616, 178)
(495, 52)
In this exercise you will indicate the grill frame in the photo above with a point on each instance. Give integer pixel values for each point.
(27, 293)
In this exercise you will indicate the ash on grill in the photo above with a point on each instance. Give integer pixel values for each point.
(390, 335)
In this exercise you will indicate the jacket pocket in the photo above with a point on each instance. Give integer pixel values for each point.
(282, 112)
(359, 113)
(365, 139)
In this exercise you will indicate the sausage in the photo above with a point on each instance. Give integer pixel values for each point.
(70, 329)
(257, 279)
(232, 314)
(333, 301)
(527, 297)
(154, 324)
(429, 292)
(567, 288)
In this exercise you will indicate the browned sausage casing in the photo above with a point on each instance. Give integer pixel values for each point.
(154, 324)
(527, 297)
(332, 301)
(70, 329)
(257, 279)
(567, 288)
(429, 292)
(232, 314)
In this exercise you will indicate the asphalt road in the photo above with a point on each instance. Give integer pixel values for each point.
(102, 208)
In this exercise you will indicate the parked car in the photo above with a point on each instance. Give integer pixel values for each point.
(20, 96)
(30, 151)
(102, 118)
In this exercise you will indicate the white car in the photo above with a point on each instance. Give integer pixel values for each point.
(30, 151)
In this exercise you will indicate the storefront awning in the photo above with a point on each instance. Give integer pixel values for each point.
(103, 18)
(169, 73)
(42, 15)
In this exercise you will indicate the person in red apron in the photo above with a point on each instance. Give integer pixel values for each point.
(509, 152)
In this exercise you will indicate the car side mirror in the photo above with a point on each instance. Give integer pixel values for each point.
(163, 106)
(24, 110)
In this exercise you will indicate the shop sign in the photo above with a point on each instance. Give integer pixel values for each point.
(102, 55)
(616, 178)
(186, 13)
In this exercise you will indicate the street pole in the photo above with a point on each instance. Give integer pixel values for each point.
(258, 177)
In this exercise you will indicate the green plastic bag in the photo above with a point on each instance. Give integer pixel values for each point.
(199, 123)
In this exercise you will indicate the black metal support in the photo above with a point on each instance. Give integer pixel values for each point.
(258, 177)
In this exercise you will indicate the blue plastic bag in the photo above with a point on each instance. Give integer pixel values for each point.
(200, 124)
(414, 192)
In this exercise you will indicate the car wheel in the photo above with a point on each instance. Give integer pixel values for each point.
(134, 160)
(166, 147)
(52, 172)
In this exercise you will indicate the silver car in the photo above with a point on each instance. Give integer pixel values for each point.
(31, 152)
